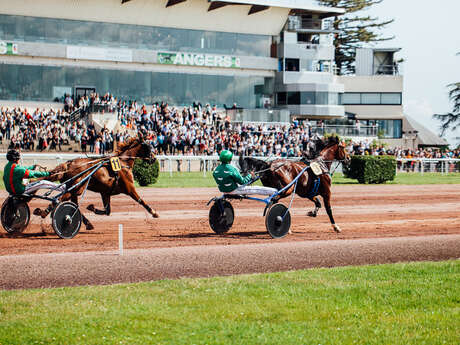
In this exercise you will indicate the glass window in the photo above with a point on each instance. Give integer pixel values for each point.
(281, 98)
(321, 98)
(333, 98)
(351, 98)
(391, 98)
(21, 28)
(292, 65)
(370, 98)
(293, 98)
(307, 98)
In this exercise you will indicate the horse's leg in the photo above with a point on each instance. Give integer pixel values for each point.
(46, 211)
(105, 202)
(327, 205)
(317, 207)
(88, 224)
(133, 194)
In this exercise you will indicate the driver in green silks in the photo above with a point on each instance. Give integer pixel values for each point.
(15, 176)
(230, 181)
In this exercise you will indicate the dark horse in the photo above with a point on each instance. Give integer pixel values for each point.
(279, 173)
(104, 181)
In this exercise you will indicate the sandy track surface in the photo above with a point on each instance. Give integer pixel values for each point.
(52, 270)
(363, 212)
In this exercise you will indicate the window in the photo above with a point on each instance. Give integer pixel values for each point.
(292, 65)
(282, 98)
(370, 98)
(388, 98)
(391, 98)
(308, 98)
(293, 98)
(351, 98)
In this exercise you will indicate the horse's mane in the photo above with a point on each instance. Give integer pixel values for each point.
(250, 164)
(126, 145)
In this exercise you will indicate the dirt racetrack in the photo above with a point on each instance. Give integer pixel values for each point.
(363, 212)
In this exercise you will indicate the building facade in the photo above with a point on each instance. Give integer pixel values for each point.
(178, 51)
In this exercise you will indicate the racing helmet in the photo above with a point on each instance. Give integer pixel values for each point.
(13, 155)
(226, 156)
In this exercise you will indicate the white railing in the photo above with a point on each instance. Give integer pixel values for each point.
(179, 163)
(428, 165)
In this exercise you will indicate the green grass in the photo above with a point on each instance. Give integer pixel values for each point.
(415, 303)
(196, 179)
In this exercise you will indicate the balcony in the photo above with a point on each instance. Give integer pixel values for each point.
(299, 24)
(347, 131)
(394, 69)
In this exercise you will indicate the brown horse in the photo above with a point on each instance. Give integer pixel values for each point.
(279, 173)
(104, 181)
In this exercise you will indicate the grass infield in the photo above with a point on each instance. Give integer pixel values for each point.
(196, 179)
(414, 303)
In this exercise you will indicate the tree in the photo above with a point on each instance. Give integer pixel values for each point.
(452, 119)
(354, 31)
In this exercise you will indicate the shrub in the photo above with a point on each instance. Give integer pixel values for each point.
(371, 169)
(145, 173)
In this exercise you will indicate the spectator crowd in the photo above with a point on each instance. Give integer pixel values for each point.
(192, 130)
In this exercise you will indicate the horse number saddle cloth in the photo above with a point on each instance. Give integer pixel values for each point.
(115, 164)
(318, 167)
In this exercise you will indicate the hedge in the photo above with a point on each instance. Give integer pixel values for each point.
(145, 173)
(371, 169)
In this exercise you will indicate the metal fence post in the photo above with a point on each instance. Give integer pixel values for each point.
(170, 167)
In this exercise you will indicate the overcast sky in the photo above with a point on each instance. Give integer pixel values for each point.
(428, 32)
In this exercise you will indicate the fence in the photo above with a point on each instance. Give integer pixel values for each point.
(206, 164)
(426, 165)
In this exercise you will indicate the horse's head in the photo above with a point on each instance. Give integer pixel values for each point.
(314, 147)
(335, 150)
(248, 164)
(137, 148)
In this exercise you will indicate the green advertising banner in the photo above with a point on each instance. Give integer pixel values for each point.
(8, 48)
(194, 59)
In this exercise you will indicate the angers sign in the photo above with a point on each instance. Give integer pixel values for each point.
(192, 59)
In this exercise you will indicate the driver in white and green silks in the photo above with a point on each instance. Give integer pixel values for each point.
(15, 176)
(230, 181)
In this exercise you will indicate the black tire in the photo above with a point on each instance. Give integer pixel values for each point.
(15, 215)
(221, 216)
(278, 221)
(66, 220)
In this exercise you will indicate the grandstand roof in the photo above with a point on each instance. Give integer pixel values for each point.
(424, 135)
(261, 5)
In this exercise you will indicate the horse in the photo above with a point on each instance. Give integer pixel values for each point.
(104, 181)
(278, 173)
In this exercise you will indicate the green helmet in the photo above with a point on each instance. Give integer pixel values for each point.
(226, 156)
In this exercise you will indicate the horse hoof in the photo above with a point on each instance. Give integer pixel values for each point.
(37, 212)
(155, 215)
(336, 228)
(311, 214)
(89, 227)
(90, 208)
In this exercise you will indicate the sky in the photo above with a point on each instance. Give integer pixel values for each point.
(428, 32)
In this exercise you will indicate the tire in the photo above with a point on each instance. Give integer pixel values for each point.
(221, 216)
(66, 220)
(278, 221)
(15, 215)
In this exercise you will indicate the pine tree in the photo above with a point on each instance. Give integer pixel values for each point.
(452, 119)
(354, 30)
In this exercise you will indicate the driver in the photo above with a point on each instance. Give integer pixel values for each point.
(14, 176)
(230, 181)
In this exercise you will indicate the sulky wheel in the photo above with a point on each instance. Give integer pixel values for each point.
(278, 221)
(15, 215)
(221, 216)
(66, 219)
